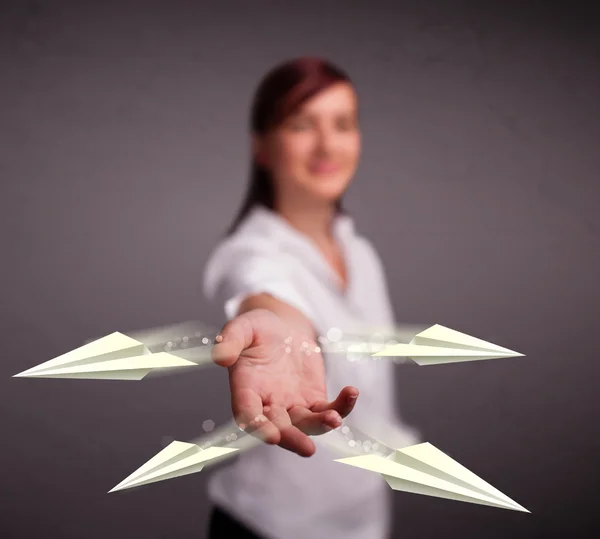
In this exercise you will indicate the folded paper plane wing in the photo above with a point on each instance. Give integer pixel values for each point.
(114, 357)
(424, 469)
(439, 344)
(192, 340)
(175, 460)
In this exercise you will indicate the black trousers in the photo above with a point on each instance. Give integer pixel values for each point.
(222, 525)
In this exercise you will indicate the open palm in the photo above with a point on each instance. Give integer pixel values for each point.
(277, 381)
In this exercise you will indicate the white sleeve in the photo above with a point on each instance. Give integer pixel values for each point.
(236, 271)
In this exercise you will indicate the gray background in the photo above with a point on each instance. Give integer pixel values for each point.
(124, 154)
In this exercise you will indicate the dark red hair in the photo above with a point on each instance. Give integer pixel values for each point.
(281, 92)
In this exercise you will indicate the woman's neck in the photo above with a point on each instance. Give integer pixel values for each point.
(314, 220)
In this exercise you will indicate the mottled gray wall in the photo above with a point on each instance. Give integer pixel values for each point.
(123, 155)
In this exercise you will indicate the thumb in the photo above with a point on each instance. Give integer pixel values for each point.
(236, 336)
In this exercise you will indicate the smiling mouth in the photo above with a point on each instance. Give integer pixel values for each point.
(324, 168)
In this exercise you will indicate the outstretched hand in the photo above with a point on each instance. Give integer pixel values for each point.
(277, 381)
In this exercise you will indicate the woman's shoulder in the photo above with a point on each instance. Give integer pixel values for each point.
(242, 253)
(253, 235)
(243, 243)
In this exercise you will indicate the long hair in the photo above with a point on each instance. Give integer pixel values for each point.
(281, 92)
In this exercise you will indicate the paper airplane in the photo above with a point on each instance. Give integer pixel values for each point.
(424, 469)
(175, 460)
(114, 357)
(439, 344)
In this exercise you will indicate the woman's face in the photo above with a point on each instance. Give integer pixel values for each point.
(314, 153)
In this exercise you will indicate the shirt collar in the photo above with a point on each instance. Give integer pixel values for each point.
(270, 222)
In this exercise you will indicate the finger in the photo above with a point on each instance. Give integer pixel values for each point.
(247, 407)
(292, 438)
(236, 336)
(313, 423)
(343, 404)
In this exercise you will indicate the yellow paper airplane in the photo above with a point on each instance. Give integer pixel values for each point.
(424, 469)
(114, 357)
(439, 344)
(175, 460)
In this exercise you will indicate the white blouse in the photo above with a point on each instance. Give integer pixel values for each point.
(270, 489)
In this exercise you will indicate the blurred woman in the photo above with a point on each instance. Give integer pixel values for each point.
(292, 269)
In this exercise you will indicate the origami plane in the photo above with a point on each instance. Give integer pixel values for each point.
(175, 460)
(131, 357)
(114, 357)
(438, 344)
(424, 469)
